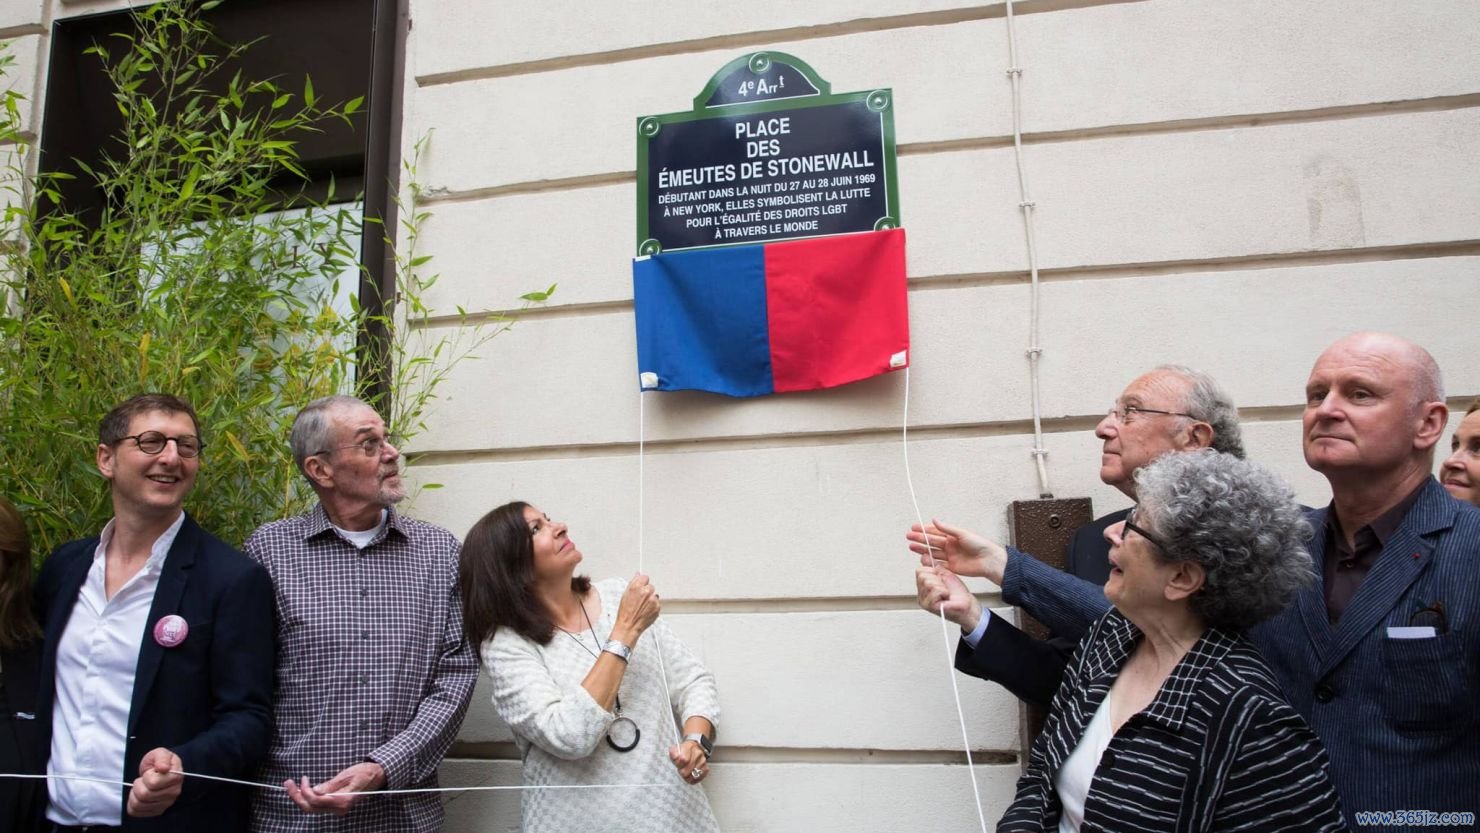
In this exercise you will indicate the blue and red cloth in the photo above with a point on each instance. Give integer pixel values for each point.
(772, 318)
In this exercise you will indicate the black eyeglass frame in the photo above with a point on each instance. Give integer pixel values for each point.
(378, 443)
(1130, 524)
(193, 450)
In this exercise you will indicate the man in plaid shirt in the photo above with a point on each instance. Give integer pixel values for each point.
(373, 672)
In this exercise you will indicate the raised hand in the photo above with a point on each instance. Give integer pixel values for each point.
(637, 611)
(938, 590)
(961, 551)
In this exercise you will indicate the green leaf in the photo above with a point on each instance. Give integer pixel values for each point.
(538, 296)
(308, 96)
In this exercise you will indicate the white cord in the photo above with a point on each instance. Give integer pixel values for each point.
(1035, 351)
(944, 626)
(279, 787)
(641, 432)
(657, 644)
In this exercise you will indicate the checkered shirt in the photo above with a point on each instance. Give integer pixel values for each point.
(371, 666)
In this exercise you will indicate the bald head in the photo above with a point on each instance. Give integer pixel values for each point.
(1413, 361)
(1374, 407)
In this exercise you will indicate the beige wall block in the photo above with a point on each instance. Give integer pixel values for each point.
(759, 797)
(582, 121)
(475, 34)
(21, 14)
(850, 798)
(1203, 195)
(1258, 331)
(1132, 63)
(491, 251)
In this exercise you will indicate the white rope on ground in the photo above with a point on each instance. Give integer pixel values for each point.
(944, 625)
(1026, 203)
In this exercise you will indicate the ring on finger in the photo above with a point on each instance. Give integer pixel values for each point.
(697, 773)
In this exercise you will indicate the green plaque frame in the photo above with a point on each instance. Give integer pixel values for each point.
(846, 149)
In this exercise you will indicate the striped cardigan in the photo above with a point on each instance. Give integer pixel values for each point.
(1217, 749)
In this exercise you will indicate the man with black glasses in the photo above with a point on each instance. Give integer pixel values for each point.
(157, 657)
(374, 674)
(1172, 408)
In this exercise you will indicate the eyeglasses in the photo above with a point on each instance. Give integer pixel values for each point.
(153, 442)
(1124, 414)
(1130, 523)
(370, 447)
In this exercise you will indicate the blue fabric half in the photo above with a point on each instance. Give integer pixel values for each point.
(701, 321)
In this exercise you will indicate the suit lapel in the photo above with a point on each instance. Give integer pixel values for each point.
(167, 594)
(1311, 600)
(1405, 556)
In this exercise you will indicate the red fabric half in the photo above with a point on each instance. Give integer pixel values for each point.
(836, 309)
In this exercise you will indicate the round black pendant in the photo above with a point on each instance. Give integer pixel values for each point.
(623, 734)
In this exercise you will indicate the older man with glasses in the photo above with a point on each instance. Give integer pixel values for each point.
(1169, 409)
(374, 675)
(157, 655)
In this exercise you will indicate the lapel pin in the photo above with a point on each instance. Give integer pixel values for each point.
(171, 630)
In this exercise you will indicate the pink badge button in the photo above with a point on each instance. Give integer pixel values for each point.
(171, 631)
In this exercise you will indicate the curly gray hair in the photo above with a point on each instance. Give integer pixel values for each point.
(1208, 402)
(1237, 520)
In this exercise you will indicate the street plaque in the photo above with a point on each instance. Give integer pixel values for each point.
(767, 153)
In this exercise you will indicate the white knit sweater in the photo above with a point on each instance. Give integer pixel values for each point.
(561, 731)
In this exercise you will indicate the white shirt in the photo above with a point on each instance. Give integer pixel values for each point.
(96, 660)
(980, 630)
(1078, 772)
(361, 538)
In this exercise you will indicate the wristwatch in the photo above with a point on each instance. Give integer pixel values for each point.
(704, 743)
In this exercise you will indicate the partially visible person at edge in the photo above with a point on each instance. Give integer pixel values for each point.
(21, 802)
(373, 673)
(1167, 718)
(1169, 409)
(1381, 656)
(580, 687)
(1460, 472)
(157, 651)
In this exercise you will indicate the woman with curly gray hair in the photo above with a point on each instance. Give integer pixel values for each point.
(1167, 718)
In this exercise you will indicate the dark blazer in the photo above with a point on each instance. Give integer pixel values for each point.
(1031, 668)
(1400, 718)
(21, 802)
(1218, 748)
(209, 699)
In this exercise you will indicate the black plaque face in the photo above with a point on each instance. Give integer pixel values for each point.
(784, 167)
